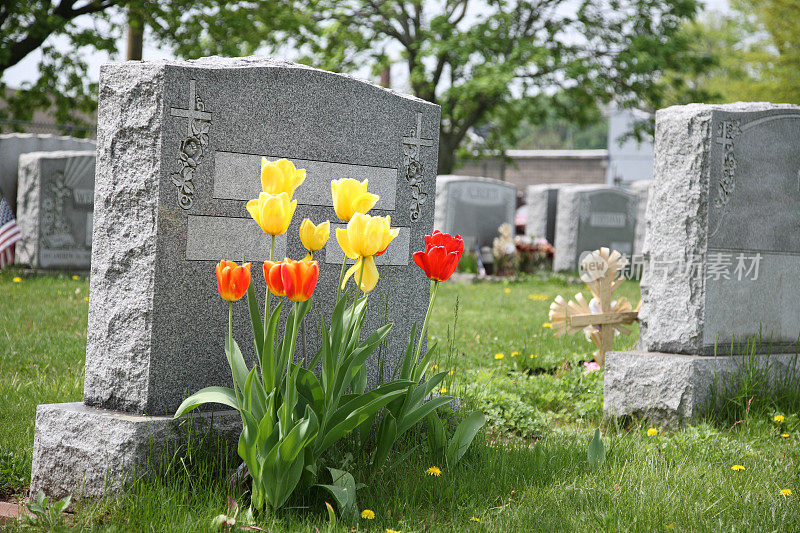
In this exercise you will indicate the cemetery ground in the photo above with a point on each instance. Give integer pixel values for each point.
(527, 471)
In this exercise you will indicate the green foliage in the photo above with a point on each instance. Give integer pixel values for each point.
(45, 513)
(343, 488)
(450, 453)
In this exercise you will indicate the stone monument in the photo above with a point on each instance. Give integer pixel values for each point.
(591, 217)
(722, 253)
(179, 149)
(641, 188)
(474, 207)
(542, 202)
(55, 203)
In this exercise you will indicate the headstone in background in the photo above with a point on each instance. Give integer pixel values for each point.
(14, 144)
(542, 206)
(722, 254)
(179, 149)
(641, 188)
(474, 208)
(55, 203)
(590, 217)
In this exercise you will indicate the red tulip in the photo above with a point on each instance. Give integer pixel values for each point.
(272, 275)
(441, 255)
(232, 280)
(299, 279)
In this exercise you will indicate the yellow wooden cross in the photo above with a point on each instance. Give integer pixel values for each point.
(603, 317)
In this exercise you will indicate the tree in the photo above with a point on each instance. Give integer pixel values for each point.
(492, 64)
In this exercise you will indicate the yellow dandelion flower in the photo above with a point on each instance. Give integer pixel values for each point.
(786, 492)
(453, 372)
(507, 290)
(443, 390)
(534, 355)
(434, 471)
(368, 514)
(76, 277)
(652, 432)
(737, 467)
(17, 279)
(392, 531)
(546, 325)
(669, 526)
(499, 355)
(85, 298)
(434, 368)
(514, 354)
(474, 519)
(785, 435)
(778, 418)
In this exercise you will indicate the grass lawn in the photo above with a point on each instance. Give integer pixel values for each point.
(527, 472)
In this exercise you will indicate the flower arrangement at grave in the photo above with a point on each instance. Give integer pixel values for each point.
(504, 251)
(291, 417)
(603, 317)
(533, 253)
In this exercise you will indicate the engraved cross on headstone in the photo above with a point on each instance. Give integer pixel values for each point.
(194, 112)
(416, 141)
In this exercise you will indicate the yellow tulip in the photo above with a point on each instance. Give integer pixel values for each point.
(280, 176)
(350, 197)
(365, 237)
(314, 237)
(272, 212)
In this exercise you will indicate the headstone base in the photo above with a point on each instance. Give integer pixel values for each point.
(88, 452)
(676, 388)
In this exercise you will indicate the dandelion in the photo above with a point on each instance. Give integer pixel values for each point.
(514, 354)
(507, 290)
(786, 492)
(474, 519)
(538, 296)
(434, 471)
(76, 277)
(737, 467)
(453, 372)
(652, 432)
(546, 325)
(499, 356)
(785, 435)
(85, 298)
(17, 279)
(391, 530)
(778, 418)
(434, 368)
(443, 390)
(534, 355)
(368, 514)
(669, 526)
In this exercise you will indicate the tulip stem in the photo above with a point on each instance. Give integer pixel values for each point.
(267, 307)
(434, 289)
(341, 277)
(290, 359)
(230, 348)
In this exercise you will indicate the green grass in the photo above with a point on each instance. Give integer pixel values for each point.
(527, 472)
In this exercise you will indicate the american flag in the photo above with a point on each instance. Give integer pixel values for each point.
(9, 234)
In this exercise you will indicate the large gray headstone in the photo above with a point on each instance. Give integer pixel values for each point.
(474, 207)
(641, 188)
(542, 206)
(590, 217)
(55, 204)
(14, 144)
(722, 250)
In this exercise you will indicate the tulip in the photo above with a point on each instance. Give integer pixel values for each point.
(272, 212)
(365, 237)
(232, 280)
(299, 279)
(350, 197)
(314, 237)
(280, 176)
(441, 255)
(272, 275)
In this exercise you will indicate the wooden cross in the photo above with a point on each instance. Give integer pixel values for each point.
(600, 270)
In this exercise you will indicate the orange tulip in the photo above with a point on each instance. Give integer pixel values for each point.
(272, 275)
(299, 279)
(232, 280)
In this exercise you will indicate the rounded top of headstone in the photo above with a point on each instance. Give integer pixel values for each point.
(10, 136)
(639, 185)
(248, 62)
(55, 154)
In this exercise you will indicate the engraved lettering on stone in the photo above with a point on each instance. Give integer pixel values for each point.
(57, 231)
(413, 167)
(193, 147)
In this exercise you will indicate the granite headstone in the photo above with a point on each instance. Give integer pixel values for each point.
(542, 206)
(14, 144)
(641, 188)
(474, 207)
(590, 217)
(721, 252)
(179, 149)
(55, 203)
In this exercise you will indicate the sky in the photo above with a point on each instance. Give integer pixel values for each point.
(26, 70)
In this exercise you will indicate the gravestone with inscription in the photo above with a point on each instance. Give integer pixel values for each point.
(722, 253)
(14, 144)
(55, 203)
(590, 217)
(542, 202)
(179, 150)
(474, 208)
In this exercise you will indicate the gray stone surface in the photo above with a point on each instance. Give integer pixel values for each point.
(641, 188)
(166, 203)
(589, 217)
(474, 207)
(14, 144)
(86, 452)
(55, 204)
(676, 388)
(542, 202)
(724, 201)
